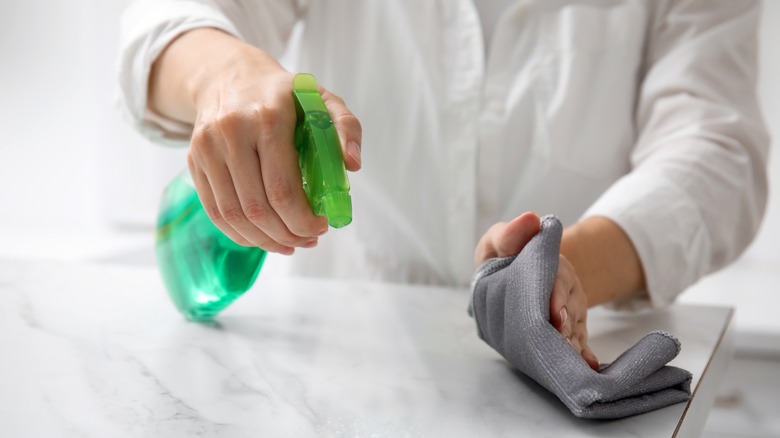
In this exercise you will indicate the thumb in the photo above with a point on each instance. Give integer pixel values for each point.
(516, 234)
(547, 245)
(507, 238)
(348, 128)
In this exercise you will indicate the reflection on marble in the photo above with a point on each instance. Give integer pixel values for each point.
(748, 400)
(749, 285)
(95, 350)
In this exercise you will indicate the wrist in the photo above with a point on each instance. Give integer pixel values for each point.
(229, 61)
(604, 259)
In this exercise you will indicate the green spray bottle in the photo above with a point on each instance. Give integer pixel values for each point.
(203, 270)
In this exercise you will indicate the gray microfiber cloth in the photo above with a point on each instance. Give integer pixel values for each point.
(511, 306)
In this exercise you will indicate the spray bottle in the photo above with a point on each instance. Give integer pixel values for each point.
(203, 270)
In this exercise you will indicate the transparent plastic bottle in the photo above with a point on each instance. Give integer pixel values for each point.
(203, 270)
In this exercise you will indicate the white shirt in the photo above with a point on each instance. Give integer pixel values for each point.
(490, 11)
(643, 112)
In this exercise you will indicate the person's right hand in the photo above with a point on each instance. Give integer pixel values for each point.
(242, 157)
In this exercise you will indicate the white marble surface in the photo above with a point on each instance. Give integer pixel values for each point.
(751, 286)
(97, 350)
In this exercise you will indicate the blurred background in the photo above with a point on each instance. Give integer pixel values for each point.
(78, 183)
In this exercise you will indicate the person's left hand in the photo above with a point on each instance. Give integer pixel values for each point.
(568, 302)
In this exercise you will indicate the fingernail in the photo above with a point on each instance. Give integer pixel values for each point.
(353, 149)
(564, 316)
(569, 341)
(310, 244)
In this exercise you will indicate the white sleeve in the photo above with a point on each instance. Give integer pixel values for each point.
(697, 190)
(148, 26)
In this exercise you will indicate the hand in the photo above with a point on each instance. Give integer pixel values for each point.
(569, 310)
(242, 157)
(568, 302)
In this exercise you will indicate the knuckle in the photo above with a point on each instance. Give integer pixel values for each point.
(233, 215)
(203, 134)
(336, 100)
(204, 145)
(199, 149)
(349, 119)
(326, 94)
(230, 122)
(560, 289)
(267, 117)
(279, 194)
(190, 160)
(213, 213)
(200, 134)
(256, 212)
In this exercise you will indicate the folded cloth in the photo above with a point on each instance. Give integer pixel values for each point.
(511, 306)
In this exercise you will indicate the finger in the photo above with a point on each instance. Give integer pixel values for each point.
(244, 168)
(200, 156)
(513, 237)
(282, 177)
(561, 315)
(484, 249)
(563, 310)
(210, 205)
(590, 358)
(581, 333)
(231, 212)
(581, 329)
(348, 128)
(578, 301)
(507, 239)
(575, 343)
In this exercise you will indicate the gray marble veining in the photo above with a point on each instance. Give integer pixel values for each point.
(95, 350)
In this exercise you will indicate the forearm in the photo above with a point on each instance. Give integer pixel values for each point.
(604, 259)
(190, 64)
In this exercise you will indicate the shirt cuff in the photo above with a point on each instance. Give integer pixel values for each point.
(145, 40)
(664, 226)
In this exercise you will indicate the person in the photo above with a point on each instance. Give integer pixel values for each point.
(636, 123)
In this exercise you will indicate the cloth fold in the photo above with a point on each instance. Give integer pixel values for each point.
(510, 304)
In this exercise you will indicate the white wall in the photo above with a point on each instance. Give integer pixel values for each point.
(67, 159)
(765, 247)
(47, 103)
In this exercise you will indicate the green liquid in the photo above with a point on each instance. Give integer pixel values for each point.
(203, 270)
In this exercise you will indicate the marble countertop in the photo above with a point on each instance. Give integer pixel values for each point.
(98, 350)
(750, 286)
